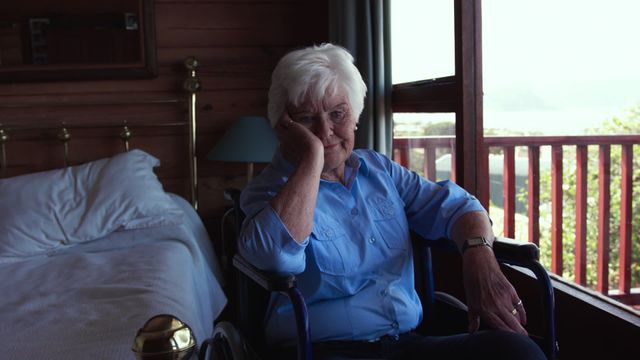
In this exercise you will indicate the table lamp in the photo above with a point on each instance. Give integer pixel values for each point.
(250, 139)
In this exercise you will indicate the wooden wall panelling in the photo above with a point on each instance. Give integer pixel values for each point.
(237, 44)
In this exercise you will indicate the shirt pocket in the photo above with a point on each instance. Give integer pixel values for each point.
(335, 254)
(387, 218)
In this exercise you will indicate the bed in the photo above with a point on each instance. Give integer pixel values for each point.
(90, 252)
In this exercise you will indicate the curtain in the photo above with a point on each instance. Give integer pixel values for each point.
(362, 27)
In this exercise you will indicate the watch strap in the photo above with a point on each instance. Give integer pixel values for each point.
(474, 242)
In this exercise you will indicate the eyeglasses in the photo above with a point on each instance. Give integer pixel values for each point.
(336, 117)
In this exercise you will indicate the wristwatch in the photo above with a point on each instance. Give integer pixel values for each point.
(473, 242)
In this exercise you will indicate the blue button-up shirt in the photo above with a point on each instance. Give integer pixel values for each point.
(355, 270)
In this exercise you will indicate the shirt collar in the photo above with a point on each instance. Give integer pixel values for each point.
(353, 166)
(359, 163)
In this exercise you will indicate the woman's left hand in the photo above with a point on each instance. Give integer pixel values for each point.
(490, 296)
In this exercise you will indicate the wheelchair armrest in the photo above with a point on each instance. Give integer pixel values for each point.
(284, 283)
(505, 249)
(515, 251)
(269, 281)
(450, 300)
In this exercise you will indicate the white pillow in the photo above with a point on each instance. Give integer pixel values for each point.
(43, 211)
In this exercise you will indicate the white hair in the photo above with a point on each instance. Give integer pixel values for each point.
(314, 71)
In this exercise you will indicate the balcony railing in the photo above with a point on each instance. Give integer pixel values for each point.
(557, 145)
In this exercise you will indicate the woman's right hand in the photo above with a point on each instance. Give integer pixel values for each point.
(297, 143)
(296, 201)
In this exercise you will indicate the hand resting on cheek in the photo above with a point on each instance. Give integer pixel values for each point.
(297, 143)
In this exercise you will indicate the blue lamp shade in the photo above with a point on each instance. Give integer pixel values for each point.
(250, 139)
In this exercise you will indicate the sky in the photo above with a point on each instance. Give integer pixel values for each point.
(544, 61)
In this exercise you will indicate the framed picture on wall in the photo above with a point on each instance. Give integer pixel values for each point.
(38, 52)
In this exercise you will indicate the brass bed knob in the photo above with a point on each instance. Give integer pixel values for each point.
(164, 337)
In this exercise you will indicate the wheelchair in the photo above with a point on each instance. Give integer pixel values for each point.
(241, 337)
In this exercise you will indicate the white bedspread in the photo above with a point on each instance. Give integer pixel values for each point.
(88, 302)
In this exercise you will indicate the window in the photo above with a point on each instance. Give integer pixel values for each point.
(422, 40)
(428, 96)
(424, 140)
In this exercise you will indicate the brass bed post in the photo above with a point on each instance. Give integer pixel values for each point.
(65, 136)
(192, 85)
(126, 135)
(3, 157)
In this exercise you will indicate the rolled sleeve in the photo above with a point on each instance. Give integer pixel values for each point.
(266, 243)
(437, 208)
(457, 203)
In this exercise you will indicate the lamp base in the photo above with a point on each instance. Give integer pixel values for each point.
(249, 172)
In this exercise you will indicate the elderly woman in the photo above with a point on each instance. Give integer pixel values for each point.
(339, 218)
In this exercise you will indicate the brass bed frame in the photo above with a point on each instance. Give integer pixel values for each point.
(122, 129)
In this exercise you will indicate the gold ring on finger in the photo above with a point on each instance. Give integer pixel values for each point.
(514, 312)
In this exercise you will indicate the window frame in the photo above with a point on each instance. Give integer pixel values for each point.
(460, 94)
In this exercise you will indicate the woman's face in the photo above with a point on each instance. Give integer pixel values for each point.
(332, 121)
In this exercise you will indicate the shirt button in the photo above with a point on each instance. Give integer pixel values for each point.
(372, 240)
(394, 325)
(384, 292)
(354, 211)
